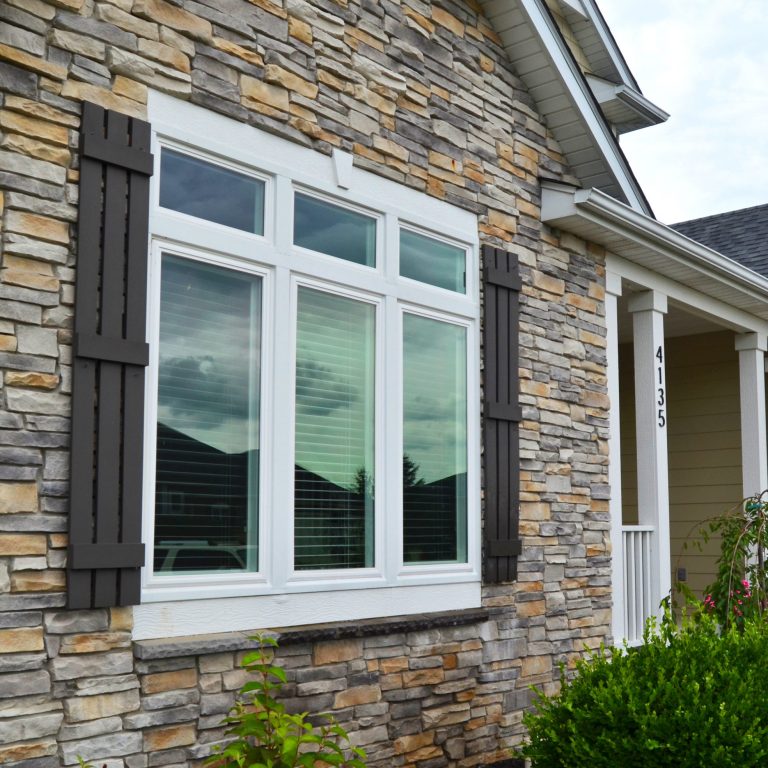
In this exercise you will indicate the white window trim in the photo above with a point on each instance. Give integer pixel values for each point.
(277, 596)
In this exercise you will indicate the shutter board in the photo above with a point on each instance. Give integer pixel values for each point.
(109, 357)
(501, 444)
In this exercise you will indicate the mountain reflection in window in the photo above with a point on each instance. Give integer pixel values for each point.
(434, 441)
(207, 468)
(334, 489)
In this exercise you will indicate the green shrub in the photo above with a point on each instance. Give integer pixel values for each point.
(688, 698)
(262, 734)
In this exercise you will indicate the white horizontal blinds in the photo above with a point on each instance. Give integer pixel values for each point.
(432, 261)
(210, 191)
(334, 472)
(434, 440)
(208, 418)
(328, 228)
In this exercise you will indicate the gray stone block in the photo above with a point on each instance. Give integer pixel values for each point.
(161, 717)
(21, 662)
(18, 81)
(11, 620)
(24, 684)
(100, 747)
(90, 729)
(29, 727)
(76, 667)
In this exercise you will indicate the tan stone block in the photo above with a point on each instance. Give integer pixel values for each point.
(82, 708)
(531, 608)
(300, 30)
(582, 302)
(94, 642)
(526, 208)
(59, 540)
(352, 697)
(257, 90)
(11, 753)
(447, 20)
(33, 126)
(389, 147)
(421, 21)
(592, 338)
(548, 283)
(169, 681)
(353, 36)
(165, 55)
(252, 57)
(487, 64)
(16, 544)
(326, 78)
(71, 5)
(121, 619)
(396, 664)
(444, 161)
(18, 497)
(536, 665)
(74, 89)
(34, 63)
(333, 651)
(124, 86)
(415, 741)
(33, 379)
(287, 79)
(387, 106)
(272, 8)
(38, 581)
(36, 7)
(183, 21)
(423, 677)
(22, 639)
(43, 111)
(502, 220)
(82, 44)
(40, 227)
(26, 145)
(7, 343)
(127, 21)
(31, 280)
(450, 661)
(167, 738)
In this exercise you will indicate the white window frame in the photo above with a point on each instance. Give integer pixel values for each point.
(277, 595)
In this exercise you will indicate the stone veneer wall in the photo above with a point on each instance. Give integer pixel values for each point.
(421, 93)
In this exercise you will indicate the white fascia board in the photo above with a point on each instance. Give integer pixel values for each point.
(638, 108)
(579, 91)
(566, 207)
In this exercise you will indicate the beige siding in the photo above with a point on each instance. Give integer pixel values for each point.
(704, 441)
(570, 38)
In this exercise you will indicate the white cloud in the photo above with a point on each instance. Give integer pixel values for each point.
(705, 63)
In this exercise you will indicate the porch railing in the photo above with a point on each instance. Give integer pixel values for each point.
(637, 543)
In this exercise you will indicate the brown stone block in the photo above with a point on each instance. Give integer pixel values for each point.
(38, 581)
(94, 641)
(169, 15)
(34, 63)
(389, 147)
(531, 608)
(448, 715)
(167, 738)
(391, 682)
(10, 753)
(59, 540)
(121, 619)
(40, 227)
(17, 544)
(415, 741)
(548, 283)
(274, 9)
(352, 697)
(422, 21)
(22, 639)
(29, 279)
(169, 681)
(74, 89)
(383, 104)
(33, 126)
(358, 36)
(165, 55)
(592, 338)
(435, 187)
(237, 50)
(536, 665)
(47, 381)
(123, 86)
(300, 30)
(18, 497)
(502, 220)
(7, 343)
(334, 651)
(395, 664)
(450, 661)
(447, 20)
(287, 79)
(423, 677)
(272, 95)
(326, 78)
(81, 708)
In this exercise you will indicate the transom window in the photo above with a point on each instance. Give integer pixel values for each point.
(313, 408)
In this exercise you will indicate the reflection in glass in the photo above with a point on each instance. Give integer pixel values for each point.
(206, 488)
(198, 188)
(432, 261)
(322, 226)
(434, 441)
(334, 473)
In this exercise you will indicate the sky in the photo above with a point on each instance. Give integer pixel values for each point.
(706, 63)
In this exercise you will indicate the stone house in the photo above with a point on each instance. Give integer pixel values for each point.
(338, 319)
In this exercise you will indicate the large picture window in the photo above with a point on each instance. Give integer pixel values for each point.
(313, 399)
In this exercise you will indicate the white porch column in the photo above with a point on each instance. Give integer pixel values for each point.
(612, 292)
(648, 309)
(754, 451)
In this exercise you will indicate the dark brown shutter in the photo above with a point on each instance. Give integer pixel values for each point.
(501, 454)
(110, 353)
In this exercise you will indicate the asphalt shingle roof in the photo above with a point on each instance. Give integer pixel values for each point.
(741, 235)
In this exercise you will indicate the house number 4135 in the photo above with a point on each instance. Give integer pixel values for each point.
(661, 400)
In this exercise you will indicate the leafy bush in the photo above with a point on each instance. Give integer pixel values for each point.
(688, 698)
(264, 735)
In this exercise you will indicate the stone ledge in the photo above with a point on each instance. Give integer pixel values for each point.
(195, 645)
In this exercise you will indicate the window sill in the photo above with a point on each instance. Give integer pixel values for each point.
(194, 645)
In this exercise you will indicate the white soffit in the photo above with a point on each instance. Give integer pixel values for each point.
(546, 66)
(624, 107)
(599, 218)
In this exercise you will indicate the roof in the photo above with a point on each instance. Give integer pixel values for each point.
(741, 235)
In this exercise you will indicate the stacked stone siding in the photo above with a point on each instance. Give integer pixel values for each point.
(422, 93)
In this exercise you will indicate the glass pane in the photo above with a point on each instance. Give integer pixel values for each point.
(432, 261)
(434, 441)
(206, 495)
(328, 228)
(334, 492)
(193, 186)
